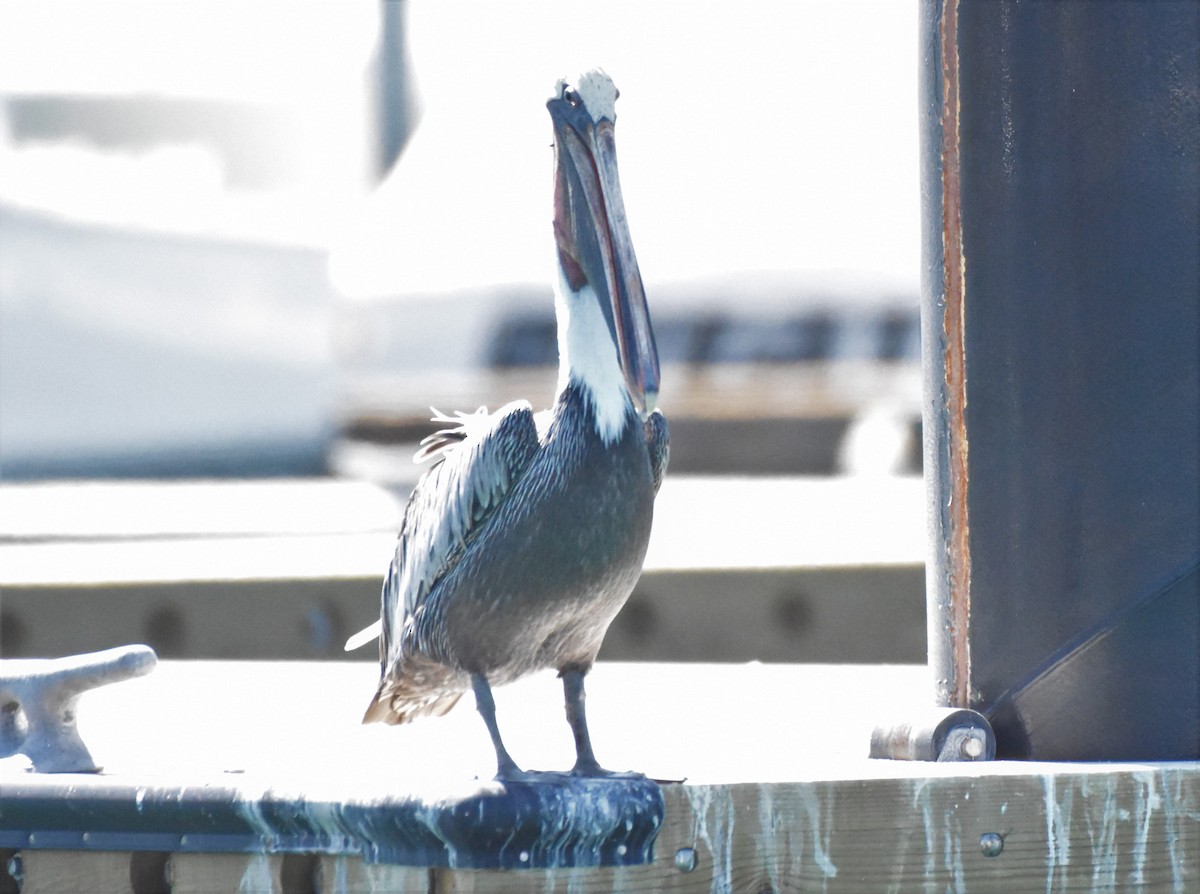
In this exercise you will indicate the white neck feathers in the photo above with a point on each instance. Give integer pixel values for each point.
(588, 356)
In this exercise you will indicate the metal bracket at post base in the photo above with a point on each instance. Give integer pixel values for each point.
(936, 734)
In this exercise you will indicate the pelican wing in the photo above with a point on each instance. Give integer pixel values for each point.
(477, 461)
(478, 465)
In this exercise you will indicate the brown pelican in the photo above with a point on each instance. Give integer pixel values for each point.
(522, 543)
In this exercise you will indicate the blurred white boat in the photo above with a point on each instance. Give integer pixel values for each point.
(201, 269)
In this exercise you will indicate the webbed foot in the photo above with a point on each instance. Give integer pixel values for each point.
(591, 769)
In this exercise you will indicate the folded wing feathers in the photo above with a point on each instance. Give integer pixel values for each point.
(480, 460)
(445, 439)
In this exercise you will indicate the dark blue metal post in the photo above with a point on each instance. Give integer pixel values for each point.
(1061, 327)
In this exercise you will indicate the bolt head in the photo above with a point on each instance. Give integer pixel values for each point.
(685, 859)
(991, 844)
(972, 747)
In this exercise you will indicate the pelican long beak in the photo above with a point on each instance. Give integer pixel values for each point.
(591, 231)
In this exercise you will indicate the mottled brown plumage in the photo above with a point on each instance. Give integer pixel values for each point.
(521, 544)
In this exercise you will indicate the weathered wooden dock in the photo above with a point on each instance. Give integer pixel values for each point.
(775, 791)
(825, 569)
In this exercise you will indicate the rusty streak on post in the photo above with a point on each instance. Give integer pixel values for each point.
(954, 276)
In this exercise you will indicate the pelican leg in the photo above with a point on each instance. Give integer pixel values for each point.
(506, 767)
(585, 760)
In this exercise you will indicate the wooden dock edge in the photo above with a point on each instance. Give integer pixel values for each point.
(977, 828)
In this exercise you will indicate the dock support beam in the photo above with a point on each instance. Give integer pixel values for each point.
(1061, 345)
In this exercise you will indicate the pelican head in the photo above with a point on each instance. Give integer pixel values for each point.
(599, 276)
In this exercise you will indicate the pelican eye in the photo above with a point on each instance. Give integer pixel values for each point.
(571, 97)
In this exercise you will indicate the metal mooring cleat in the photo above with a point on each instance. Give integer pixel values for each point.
(37, 703)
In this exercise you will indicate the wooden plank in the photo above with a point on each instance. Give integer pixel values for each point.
(61, 871)
(92, 534)
(1054, 829)
(351, 875)
(801, 390)
(810, 614)
(140, 510)
(199, 873)
(56, 872)
(276, 570)
(561, 881)
(995, 828)
(780, 795)
(245, 873)
(708, 723)
(1058, 827)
